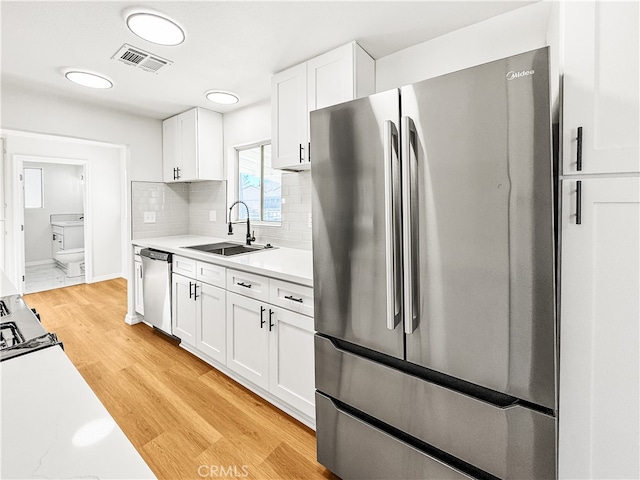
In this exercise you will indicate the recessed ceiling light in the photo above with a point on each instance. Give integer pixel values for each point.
(87, 79)
(155, 29)
(218, 96)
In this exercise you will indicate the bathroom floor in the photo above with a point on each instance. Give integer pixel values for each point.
(47, 277)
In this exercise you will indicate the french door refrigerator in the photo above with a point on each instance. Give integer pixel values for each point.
(433, 247)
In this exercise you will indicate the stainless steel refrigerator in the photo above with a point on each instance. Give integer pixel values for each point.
(434, 264)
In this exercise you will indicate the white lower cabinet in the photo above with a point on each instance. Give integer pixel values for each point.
(183, 308)
(199, 316)
(137, 287)
(599, 415)
(211, 323)
(291, 359)
(247, 338)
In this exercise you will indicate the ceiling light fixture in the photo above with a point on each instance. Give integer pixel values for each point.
(87, 79)
(224, 98)
(155, 29)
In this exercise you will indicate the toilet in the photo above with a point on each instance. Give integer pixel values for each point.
(71, 261)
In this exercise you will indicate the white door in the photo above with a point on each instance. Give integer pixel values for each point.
(291, 359)
(137, 288)
(211, 322)
(247, 340)
(601, 60)
(183, 308)
(170, 149)
(599, 424)
(290, 117)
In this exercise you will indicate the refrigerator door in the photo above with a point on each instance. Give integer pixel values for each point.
(356, 206)
(480, 252)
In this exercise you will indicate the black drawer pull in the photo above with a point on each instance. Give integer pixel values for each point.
(271, 324)
(579, 202)
(579, 151)
(242, 284)
(195, 291)
(291, 297)
(262, 320)
(190, 292)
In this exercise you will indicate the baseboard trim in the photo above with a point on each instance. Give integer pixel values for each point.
(132, 318)
(104, 278)
(50, 261)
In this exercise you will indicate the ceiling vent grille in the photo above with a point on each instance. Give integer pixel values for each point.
(136, 57)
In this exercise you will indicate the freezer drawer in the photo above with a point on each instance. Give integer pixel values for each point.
(354, 449)
(509, 441)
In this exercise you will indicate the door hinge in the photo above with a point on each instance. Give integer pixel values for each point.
(22, 228)
(23, 278)
(20, 177)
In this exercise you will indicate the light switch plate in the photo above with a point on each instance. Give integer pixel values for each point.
(212, 215)
(309, 219)
(149, 217)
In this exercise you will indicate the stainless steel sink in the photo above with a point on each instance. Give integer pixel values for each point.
(228, 249)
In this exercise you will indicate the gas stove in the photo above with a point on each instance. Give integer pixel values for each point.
(20, 329)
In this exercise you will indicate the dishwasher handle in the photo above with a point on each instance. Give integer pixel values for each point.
(155, 255)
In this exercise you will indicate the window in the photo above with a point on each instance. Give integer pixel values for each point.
(259, 186)
(33, 191)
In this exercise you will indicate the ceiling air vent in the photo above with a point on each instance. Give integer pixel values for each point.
(136, 57)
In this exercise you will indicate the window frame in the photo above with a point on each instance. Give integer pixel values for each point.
(24, 185)
(236, 190)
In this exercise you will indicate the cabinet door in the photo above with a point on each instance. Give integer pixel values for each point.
(137, 287)
(291, 359)
(599, 341)
(183, 308)
(170, 149)
(290, 117)
(188, 144)
(211, 322)
(247, 340)
(601, 60)
(330, 78)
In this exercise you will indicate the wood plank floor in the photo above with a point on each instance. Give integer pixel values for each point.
(185, 418)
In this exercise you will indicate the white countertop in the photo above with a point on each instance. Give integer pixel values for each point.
(54, 426)
(68, 223)
(289, 264)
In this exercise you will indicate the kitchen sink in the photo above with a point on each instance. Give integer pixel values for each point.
(228, 249)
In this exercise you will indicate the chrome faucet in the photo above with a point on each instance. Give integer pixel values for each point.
(250, 237)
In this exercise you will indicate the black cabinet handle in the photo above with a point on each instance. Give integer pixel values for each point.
(309, 152)
(271, 324)
(262, 320)
(242, 284)
(300, 153)
(579, 202)
(190, 292)
(291, 297)
(195, 291)
(579, 151)
(178, 170)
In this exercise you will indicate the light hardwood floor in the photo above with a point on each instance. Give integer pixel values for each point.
(185, 418)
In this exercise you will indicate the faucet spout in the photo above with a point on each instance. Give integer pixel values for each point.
(249, 237)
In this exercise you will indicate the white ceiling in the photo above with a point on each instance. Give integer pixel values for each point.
(230, 45)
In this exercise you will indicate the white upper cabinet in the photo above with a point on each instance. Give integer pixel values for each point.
(600, 87)
(192, 146)
(340, 75)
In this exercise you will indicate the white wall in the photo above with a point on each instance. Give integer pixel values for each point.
(63, 193)
(514, 32)
(41, 112)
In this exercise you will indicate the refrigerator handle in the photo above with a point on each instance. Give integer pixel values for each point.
(409, 200)
(391, 214)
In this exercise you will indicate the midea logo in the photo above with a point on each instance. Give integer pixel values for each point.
(525, 73)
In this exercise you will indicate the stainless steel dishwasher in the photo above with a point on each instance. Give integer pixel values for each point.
(156, 288)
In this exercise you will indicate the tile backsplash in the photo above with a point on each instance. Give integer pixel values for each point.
(185, 209)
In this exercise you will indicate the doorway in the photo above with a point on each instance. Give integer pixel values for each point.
(54, 234)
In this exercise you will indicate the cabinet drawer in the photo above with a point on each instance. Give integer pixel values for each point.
(184, 266)
(212, 274)
(57, 229)
(248, 284)
(291, 296)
